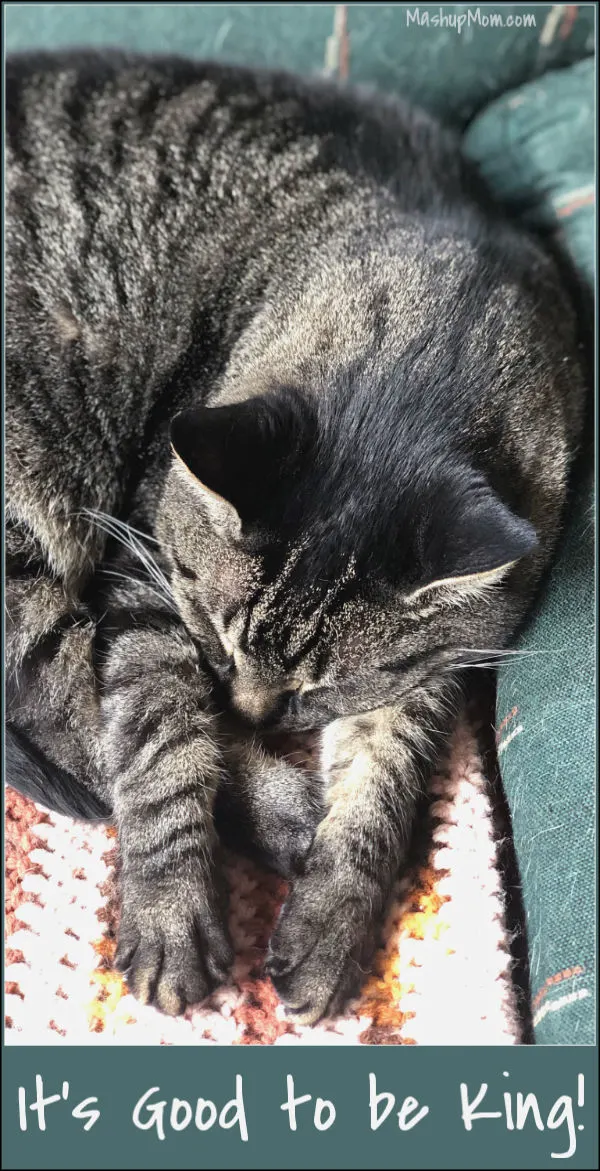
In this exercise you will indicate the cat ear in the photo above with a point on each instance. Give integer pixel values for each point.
(473, 542)
(232, 453)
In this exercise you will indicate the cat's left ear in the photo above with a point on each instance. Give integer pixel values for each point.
(473, 541)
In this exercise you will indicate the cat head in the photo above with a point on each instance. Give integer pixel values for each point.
(323, 562)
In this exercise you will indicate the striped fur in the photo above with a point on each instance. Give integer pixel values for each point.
(291, 410)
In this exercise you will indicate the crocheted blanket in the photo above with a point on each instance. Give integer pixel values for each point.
(441, 974)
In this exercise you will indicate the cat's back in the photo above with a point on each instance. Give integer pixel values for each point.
(126, 146)
(149, 201)
(131, 179)
(121, 99)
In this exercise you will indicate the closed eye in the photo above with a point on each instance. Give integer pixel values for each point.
(409, 662)
(223, 669)
(217, 657)
(184, 570)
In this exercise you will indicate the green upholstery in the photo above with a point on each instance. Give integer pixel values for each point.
(453, 73)
(535, 144)
(546, 720)
(536, 147)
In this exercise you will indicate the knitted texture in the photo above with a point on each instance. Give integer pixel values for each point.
(440, 976)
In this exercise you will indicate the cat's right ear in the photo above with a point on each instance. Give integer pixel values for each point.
(236, 455)
(240, 454)
(198, 458)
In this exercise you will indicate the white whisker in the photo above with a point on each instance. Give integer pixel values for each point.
(128, 537)
(104, 517)
(129, 578)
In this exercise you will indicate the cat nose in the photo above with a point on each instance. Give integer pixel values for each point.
(256, 705)
(264, 710)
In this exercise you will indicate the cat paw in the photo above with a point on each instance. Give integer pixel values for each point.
(289, 816)
(172, 950)
(321, 948)
(274, 819)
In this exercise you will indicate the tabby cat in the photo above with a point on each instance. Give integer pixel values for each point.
(291, 409)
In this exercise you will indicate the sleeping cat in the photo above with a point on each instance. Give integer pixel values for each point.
(290, 414)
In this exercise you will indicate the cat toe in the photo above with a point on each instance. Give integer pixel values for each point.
(184, 981)
(319, 952)
(172, 957)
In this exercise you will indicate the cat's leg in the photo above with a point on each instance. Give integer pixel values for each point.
(163, 764)
(52, 712)
(269, 805)
(375, 766)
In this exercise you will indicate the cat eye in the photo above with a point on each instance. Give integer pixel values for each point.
(224, 669)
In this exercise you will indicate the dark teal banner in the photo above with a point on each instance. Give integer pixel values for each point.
(277, 1108)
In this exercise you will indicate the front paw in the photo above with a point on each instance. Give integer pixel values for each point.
(173, 948)
(322, 945)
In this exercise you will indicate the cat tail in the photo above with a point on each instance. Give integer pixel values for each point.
(33, 775)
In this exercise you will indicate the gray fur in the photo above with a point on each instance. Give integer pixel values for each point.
(183, 236)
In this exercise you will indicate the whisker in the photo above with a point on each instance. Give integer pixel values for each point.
(507, 652)
(129, 578)
(127, 536)
(97, 516)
